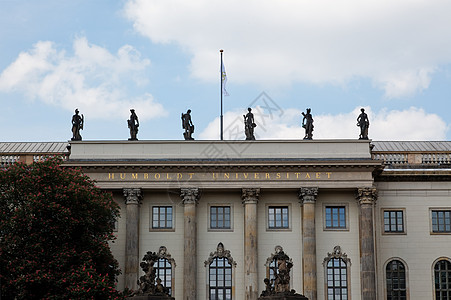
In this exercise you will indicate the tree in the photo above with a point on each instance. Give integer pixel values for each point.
(55, 225)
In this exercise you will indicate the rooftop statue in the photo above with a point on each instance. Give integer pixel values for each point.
(187, 124)
(364, 123)
(307, 124)
(77, 124)
(249, 125)
(133, 125)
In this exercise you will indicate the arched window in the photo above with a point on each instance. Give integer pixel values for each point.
(220, 274)
(442, 279)
(337, 266)
(395, 273)
(164, 269)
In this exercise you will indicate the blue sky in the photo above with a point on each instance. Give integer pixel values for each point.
(281, 57)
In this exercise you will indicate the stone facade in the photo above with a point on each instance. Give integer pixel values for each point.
(323, 201)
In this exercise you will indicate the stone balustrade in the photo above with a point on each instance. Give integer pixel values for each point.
(408, 158)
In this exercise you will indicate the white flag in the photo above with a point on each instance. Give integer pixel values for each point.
(224, 79)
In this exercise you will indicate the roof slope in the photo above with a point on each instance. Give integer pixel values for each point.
(33, 147)
(412, 146)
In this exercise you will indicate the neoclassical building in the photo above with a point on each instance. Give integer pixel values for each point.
(359, 219)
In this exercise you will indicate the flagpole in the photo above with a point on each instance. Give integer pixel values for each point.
(220, 72)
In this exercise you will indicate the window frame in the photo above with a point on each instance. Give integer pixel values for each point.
(346, 218)
(159, 205)
(337, 254)
(227, 276)
(209, 228)
(223, 253)
(437, 209)
(289, 216)
(447, 259)
(404, 220)
(406, 273)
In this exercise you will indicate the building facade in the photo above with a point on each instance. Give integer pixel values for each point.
(359, 219)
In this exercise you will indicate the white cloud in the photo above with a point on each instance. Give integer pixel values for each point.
(92, 79)
(397, 44)
(410, 124)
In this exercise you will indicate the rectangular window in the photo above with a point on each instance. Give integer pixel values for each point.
(393, 221)
(335, 217)
(441, 221)
(278, 217)
(220, 217)
(162, 217)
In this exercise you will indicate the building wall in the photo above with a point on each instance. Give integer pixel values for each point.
(348, 239)
(417, 248)
(233, 239)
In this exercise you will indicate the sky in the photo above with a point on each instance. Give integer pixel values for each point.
(161, 58)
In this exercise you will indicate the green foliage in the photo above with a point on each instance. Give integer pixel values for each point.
(55, 225)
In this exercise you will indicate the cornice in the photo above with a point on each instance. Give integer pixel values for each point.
(230, 165)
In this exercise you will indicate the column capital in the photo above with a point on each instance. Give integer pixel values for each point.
(366, 195)
(250, 195)
(307, 194)
(132, 196)
(189, 195)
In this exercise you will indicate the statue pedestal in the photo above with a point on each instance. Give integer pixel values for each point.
(283, 296)
(150, 297)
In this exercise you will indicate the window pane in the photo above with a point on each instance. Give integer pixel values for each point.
(393, 221)
(441, 220)
(278, 217)
(335, 217)
(221, 284)
(220, 217)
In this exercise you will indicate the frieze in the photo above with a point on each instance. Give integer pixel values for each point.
(216, 176)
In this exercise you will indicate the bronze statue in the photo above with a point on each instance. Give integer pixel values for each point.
(307, 124)
(77, 124)
(249, 125)
(364, 123)
(187, 124)
(133, 124)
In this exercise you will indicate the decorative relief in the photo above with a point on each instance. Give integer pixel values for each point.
(337, 254)
(220, 252)
(189, 195)
(132, 196)
(366, 195)
(308, 194)
(250, 195)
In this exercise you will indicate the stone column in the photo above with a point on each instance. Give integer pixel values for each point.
(190, 199)
(250, 200)
(366, 197)
(131, 270)
(307, 197)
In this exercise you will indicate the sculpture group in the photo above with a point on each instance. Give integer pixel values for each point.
(279, 287)
(249, 125)
(150, 286)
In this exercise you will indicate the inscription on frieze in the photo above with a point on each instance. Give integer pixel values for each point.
(216, 176)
